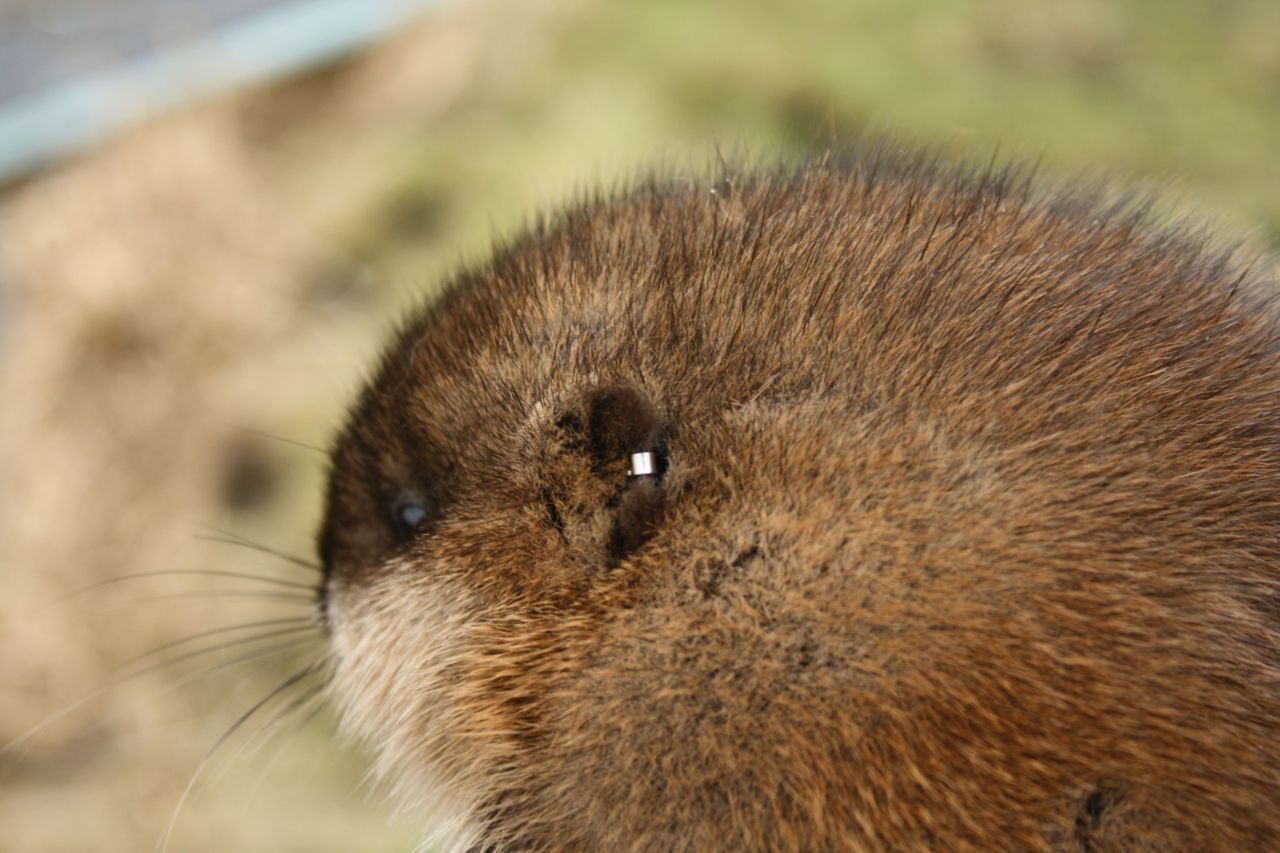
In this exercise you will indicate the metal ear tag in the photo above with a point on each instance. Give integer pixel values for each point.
(643, 464)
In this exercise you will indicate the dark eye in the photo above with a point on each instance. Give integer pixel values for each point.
(408, 513)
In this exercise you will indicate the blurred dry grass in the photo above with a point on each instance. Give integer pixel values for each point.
(233, 267)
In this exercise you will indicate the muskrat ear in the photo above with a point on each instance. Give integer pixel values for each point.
(636, 517)
(623, 435)
(620, 421)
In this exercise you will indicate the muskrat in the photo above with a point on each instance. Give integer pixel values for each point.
(872, 503)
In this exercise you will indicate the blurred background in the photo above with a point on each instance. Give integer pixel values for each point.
(212, 211)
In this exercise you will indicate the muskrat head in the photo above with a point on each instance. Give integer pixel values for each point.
(866, 504)
(490, 487)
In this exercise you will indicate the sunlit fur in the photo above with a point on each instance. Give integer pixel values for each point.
(967, 536)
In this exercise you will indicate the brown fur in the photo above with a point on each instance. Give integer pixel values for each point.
(966, 535)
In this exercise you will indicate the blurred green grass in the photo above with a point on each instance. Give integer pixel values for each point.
(1180, 95)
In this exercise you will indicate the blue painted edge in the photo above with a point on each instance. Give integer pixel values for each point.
(37, 129)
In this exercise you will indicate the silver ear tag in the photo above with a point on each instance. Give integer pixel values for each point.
(644, 464)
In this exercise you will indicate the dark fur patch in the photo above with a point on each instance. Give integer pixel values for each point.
(1089, 815)
(620, 421)
(638, 511)
(713, 576)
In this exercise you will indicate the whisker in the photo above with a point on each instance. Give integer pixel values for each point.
(238, 661)
(314, 698)
(177, 684)
(263, 623)
(209, 593)
(280, 438)
(217, 647)
(227, 538)
(183, 573)
(247, 658)
(264, 732)
(125, 679)
(280, 688)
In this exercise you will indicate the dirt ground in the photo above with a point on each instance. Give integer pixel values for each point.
(188, 309)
